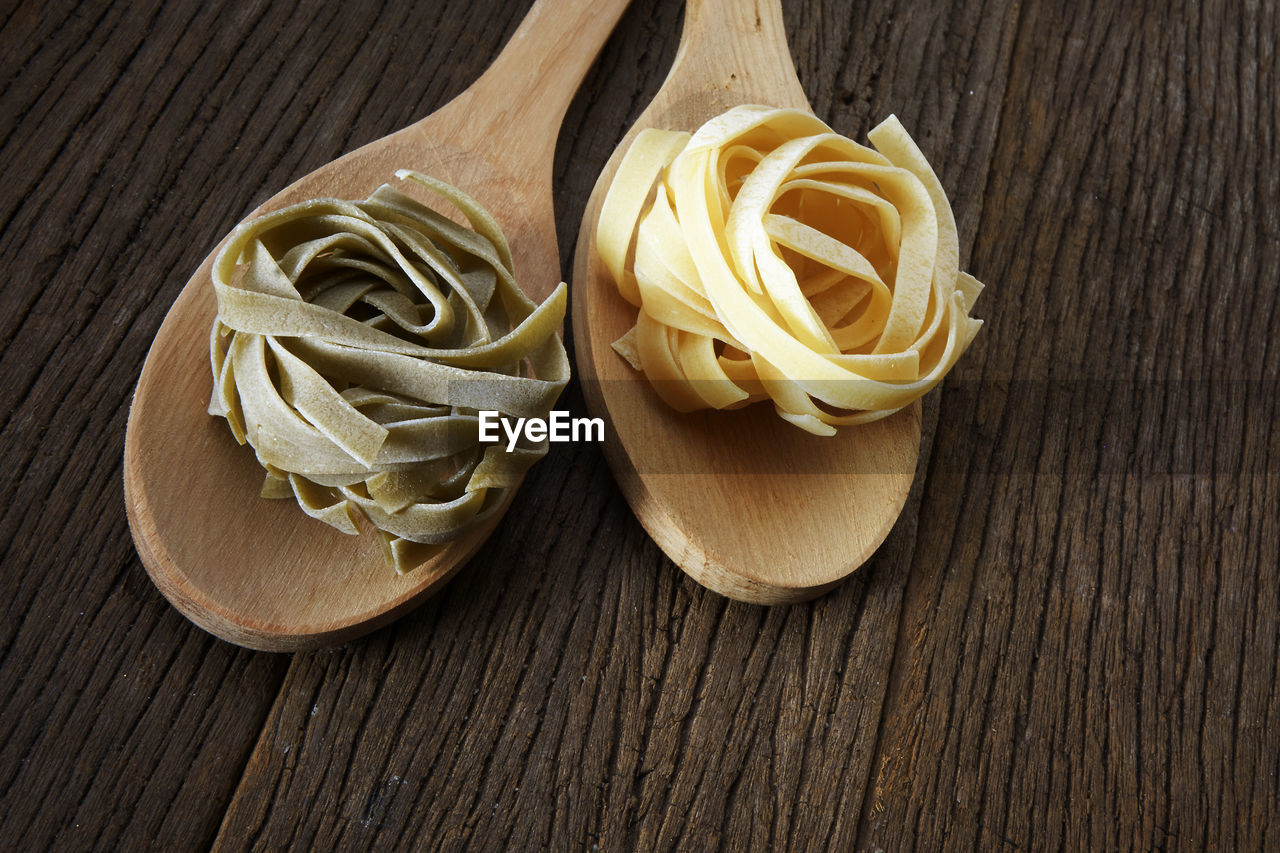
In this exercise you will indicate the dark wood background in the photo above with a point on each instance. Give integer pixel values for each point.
(1068, 642)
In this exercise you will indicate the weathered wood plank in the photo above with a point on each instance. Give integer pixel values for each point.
(1091, 624)
(1069, 642)
(134, 135)
(121, 725)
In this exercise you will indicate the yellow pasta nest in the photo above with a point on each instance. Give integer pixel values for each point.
(355, 343)
(772, 258)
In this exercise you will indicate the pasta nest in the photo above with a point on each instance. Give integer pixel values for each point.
(772, 258)
(355, 343)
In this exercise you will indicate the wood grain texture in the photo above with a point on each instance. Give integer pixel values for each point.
(1069, 641)
(1089, 638)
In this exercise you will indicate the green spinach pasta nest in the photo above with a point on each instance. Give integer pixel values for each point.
(354, 345)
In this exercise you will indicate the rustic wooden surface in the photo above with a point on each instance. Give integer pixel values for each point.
(1069, 642)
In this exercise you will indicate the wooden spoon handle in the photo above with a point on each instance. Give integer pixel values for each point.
(741, 45)
(525, 92)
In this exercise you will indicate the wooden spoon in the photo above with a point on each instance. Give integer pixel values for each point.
(260, 573)
(745, 503)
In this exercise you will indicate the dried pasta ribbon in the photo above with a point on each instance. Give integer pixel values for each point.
(355, 343)
(772, 258)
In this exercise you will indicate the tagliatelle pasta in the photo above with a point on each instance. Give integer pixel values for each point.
(355, 343)
(772, 258)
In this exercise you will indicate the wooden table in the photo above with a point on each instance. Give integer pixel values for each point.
(1068, 642)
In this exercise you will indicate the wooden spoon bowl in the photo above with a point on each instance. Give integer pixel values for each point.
(258, 572)
(745, 503)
